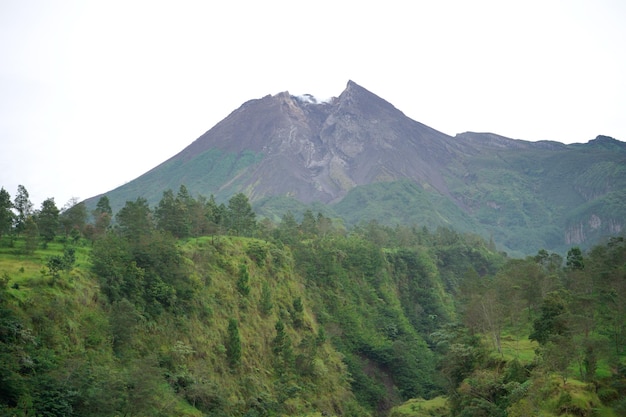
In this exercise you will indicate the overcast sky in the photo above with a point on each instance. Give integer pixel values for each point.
(95, 93)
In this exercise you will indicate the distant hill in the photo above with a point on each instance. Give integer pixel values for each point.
(359, 158)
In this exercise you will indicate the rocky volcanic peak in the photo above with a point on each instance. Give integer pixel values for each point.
(359, 100)
(320, 150)
(357, 138)
(377, 142)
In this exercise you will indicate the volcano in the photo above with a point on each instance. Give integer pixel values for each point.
(362, 159)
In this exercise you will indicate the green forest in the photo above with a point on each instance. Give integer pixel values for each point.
(198, 308)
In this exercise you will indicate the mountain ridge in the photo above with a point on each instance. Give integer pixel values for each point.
(317, 152)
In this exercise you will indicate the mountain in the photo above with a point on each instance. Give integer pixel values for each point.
(359, 158)
(283, 145)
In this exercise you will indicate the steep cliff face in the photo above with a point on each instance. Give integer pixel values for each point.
(592, 228)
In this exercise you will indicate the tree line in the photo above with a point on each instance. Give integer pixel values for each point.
(179, 214)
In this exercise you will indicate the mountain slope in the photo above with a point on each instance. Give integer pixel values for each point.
(527, 195)
(544, 194)
(291, 146)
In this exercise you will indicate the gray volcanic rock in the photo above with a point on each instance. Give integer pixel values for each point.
(318, 151)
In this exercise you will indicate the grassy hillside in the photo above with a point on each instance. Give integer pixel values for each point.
(211, 172)
(101, 358)
(403, 202)
(304, 321)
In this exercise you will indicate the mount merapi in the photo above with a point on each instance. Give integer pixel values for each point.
(358, 158)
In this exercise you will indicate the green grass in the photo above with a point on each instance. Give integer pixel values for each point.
(211, 172)
(402, 202)
(518, 347)
(26, 269)
(575, 398)
(420, 407)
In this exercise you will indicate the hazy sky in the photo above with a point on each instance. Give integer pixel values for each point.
(95, 93)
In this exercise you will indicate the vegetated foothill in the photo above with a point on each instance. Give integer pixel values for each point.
(194, 308)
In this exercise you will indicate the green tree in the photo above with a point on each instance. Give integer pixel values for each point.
(215, 215)
(283, 352)
(461, 352)
(233, 344)
(551, 262)
(288, 230)
(297, 313)
(590, 363)
(184, 197)
(52, 398)
(608, 265)
(553, 320)
(102, 216)
(24, 208)
(113, 262)
(324, 225)
(528, 280)
(135, 219)
(6, 215)
(55, 266)
(124, 318)
(73, 217)
(13, 385)
(241, 218)
(168, 284)
(243, 283)
(486, 313)
(557, 354)
(266, 299)
(308, 226)
(69, 258)
(198, 221)
(575, 259)
(48, 220)
(104, 206)
(257, 251)
(31, 235)
(57, 263)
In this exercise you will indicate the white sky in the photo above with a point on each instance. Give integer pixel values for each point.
(95, 93)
